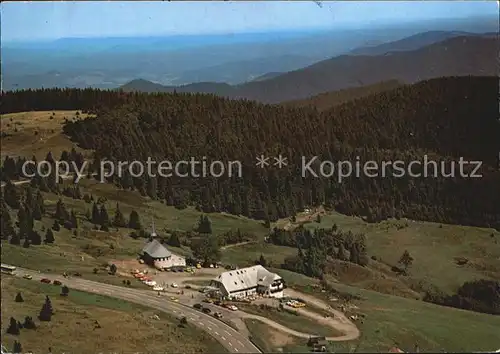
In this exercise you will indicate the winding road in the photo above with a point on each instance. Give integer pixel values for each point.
(338, 321)
(232, 340)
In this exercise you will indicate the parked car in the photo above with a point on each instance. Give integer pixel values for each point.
(77, 274)
(57, 282)
(233, 308)
(174, 285)
(27, 276)
(218, 303)
(206, 310)
(218, 315)
(198, 306)
(45, 280)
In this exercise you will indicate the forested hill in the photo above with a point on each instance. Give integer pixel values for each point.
(328, 100)
(443, 118)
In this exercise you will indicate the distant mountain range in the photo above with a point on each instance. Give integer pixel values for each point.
(233, 58)
(412, 43)
(245, 70)
(474, 55)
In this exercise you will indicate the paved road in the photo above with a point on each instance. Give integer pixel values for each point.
(234, 341)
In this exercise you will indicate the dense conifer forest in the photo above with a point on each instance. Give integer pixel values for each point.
(445, 119)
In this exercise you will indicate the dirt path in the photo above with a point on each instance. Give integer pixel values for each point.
(236, 245)
(338, 321)
(288, 225)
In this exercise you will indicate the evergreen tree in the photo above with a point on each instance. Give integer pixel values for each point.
(342, 254)
(134, 221)
(47, 311)
(406, 260)
(26, 243)
(6, 226)
(37, 211)
(40, 202)
(29, 218)
(22, 222)
(29, 201)
(204, 225)
(35, 238)
(119, 219)
(262, 260)
(206, 248)
(96, 215)
(354, 253)
(61, 214)
(19, 298)
(74, 220)
(29, 323)
(13, 327)
(18, 348)
(104, 217)
(49, 236)
(15, 239)
(174, 240)
(64, 291)
(56, 226)
(11, 195)
(112, 269)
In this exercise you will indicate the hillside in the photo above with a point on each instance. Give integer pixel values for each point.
(328, 100)
(141, 85)
(410, 43)
(432, 118)
(267, 76)
(458, 56)
(244, 70)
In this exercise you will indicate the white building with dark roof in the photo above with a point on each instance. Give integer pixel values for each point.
(157, 255)
(240, 283)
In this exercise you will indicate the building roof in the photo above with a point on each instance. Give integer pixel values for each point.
(156, 250)
(246, 278)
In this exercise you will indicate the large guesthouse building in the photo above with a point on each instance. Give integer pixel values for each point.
(240, 283)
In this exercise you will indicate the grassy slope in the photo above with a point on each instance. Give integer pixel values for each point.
(125, 327)
(433, 246)
(67, 251)
(24, 141)
(394, 320)
(269, 340)
(389, 319)
(296, 322)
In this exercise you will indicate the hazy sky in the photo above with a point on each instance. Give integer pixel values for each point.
(50, 20)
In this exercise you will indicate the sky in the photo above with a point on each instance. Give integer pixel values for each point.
(26, 21)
